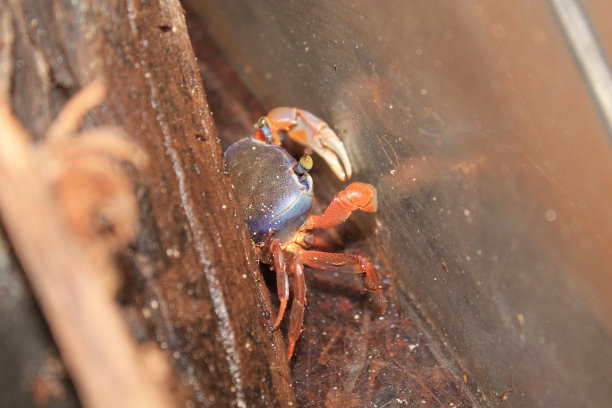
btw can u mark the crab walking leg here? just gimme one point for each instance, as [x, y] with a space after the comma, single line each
[356, 196]
[282, 280]
[347, 263]
[308, 240]
[312, 132]
[296, 320]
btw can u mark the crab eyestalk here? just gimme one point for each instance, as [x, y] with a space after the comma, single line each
[304, 165]
[266, 128]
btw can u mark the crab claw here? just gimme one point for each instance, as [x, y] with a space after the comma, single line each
[311, 131]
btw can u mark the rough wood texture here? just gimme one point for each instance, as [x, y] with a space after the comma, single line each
[63, 273]
[190, 283]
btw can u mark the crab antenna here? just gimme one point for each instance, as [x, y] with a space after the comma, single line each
[266, 128]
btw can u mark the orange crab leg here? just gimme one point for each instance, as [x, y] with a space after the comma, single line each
[282, 280]
[327, 261]
[296, 320]
[320, 243]
[357, 196]
[348, 263]
[309, 240]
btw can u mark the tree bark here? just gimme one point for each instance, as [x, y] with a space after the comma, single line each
[190, 282]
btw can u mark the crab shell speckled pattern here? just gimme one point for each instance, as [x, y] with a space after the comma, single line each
[274, 200]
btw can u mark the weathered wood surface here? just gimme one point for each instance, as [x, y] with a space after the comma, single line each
[190, 284]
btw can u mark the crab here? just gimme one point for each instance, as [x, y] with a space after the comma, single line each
[275, 194]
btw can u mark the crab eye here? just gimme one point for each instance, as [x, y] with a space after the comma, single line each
[263, 121]
[266, 128]
[304, 165]
[306, 162]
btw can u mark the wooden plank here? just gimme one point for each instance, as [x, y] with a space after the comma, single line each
[190, 282]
